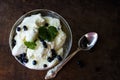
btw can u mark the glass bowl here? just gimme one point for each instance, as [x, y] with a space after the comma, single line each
[44, 12]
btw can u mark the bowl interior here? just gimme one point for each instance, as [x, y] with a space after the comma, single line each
[65, 27]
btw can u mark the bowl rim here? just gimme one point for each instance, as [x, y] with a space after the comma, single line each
[37, 10]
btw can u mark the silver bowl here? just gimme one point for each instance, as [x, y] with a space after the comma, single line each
[44, 12]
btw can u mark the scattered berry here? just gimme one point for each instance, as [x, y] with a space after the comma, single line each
[59, 57]
[49, 59]
[54, 54]
[25, 28]
[25, 60]
[23, 55]
[45, 65]
[22, 58]
[34, 62]
[19, 58]
[81, 63]
[41, 39]
[18, 28]
[44, 44]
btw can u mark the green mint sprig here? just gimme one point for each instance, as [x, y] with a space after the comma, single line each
[30, 45]
[48, 33]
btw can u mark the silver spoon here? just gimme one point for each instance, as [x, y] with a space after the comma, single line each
[86, 42]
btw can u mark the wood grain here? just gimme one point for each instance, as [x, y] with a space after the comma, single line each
[101, 16]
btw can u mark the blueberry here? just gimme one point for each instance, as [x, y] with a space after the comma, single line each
[23, 55]
[45, 65]
[49, 59]
[46, 24]
[44, 44]
[41, 39]
[59, 57]
[22, 58]
[81, 63]
[18, 28]
[53, 51]
[13, 42]
[25, 60]
[25, 28]
[19, 58]
[54, 54]
[34, 62]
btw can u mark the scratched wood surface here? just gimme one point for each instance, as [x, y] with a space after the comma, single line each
[101, 16]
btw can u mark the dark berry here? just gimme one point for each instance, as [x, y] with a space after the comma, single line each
[41, 39]
[25, 60]
[53, 51]
[22, 58]
[34, 62]
[46, 24]
[19, 58]
[18, 28]
[54, 54]
[44, 44]
[23, 55]
[59, 57]
[81, 63]
[84, 42]
[13, 42]
[49, 59]
[45, 65]
[25, 28]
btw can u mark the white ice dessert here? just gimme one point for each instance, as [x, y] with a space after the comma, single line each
[39, 42]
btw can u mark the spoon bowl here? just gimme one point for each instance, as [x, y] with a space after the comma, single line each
[87, 41]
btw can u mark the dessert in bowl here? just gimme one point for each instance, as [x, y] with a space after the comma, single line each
[40, 39]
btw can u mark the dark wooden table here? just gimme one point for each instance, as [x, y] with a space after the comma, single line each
[101, 16]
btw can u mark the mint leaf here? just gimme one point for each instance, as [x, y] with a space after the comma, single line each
[48, 33]
[44, 34]
[53, 32]
[30, 45]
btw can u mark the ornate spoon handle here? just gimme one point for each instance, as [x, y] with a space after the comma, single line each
[52, 72]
